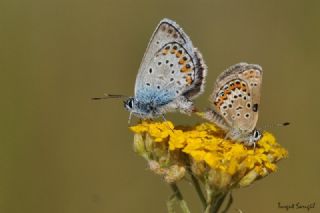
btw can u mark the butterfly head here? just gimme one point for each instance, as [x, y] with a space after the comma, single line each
[141, 109]
[129, 104]
[248, 139]
[255, 136]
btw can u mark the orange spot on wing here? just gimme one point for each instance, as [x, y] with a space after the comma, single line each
[189, 80]
[181, 61]
[164, 52]
[219, 103]
[224, 97]
[243, 88]
[184, 69]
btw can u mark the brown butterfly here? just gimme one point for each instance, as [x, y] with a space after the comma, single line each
[236, 99]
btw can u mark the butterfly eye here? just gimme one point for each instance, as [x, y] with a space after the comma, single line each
[256, 135]
[129, 103]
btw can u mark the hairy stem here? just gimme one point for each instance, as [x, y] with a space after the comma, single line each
[209, 194]
[197, 186]
[217, 202]
[170, 203]
[230, 201]
[179, 197]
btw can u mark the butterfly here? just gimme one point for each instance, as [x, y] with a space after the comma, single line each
[236, 99]
[172, 73]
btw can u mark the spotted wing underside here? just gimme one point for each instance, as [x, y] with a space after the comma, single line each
[236, 96]
[171, 66]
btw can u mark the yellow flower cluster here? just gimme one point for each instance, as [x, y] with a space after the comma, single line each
[210, 153]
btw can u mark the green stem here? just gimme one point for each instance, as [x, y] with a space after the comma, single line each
[230, 201]
[209, 194]
[208, 208]
[179, 197]
[170, 203]
[197, 186]
[217, 202]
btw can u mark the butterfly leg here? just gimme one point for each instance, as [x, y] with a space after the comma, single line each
[250, 142]
[165, 120]
[185, 105]
[181, 103]
[217, 119]
[130, 116]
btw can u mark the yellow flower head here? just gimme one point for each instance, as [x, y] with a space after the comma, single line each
[220, 162]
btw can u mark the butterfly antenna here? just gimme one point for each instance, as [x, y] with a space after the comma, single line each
[108, 96]
[275, 125]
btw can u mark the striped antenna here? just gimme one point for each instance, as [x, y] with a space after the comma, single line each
[108, 96]
[275, 125]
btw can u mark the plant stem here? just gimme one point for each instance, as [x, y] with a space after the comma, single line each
[217, 202]
[209, 194]
[230, 201]
[196, 185]
[179, 197]
[170, 203]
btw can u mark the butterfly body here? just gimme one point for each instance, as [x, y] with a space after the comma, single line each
[171, 74]
[236, 99]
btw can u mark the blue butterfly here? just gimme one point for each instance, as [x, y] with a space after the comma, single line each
[171, 74]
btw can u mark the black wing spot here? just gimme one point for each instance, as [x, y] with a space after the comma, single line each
[148, 84]
[167, 61]
[150, 70]
[159, 63]
[158, 87]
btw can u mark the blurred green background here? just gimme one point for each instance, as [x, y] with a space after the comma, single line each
[60, 152]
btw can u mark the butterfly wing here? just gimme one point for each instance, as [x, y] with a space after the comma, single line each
[171, 67]
[236, 96]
